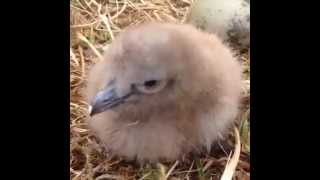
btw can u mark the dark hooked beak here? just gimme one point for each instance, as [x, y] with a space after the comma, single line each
[105, 100]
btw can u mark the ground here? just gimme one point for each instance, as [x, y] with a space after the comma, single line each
[94, 23]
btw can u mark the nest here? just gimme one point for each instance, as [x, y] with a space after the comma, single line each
[93, 25]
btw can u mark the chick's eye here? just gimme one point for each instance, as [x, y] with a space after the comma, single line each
[151, 86]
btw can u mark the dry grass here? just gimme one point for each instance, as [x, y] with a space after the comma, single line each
[94, 23]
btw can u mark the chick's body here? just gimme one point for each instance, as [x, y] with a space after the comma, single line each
[198, 101]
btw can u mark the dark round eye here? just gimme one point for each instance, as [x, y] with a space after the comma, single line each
[151, 86]
[150, 83]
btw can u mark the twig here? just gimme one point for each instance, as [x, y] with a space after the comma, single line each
[232, 164]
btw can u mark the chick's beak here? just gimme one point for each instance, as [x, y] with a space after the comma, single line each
[105, 100]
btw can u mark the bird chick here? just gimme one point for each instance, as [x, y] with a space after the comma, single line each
[163, 90]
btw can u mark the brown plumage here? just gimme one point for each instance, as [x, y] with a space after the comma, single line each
[163, 90]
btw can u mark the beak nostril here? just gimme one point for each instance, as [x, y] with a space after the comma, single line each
[106, 99]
